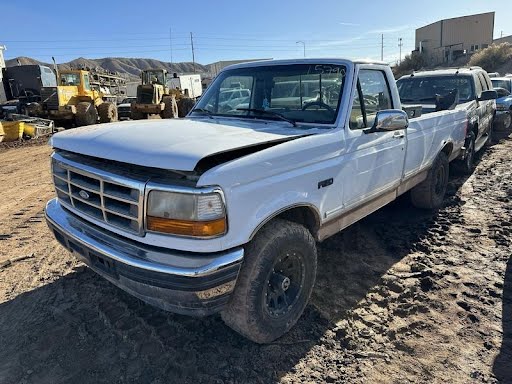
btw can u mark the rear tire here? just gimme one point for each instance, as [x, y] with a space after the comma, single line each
[429, 194]
[86, 114]
[465, 166]
[185, 105]
[170, 108]
[107, 112]
[490, 139]
[275, 282]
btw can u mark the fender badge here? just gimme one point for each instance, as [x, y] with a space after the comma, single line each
[83, 194]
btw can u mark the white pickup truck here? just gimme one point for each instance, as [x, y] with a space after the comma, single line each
[222, 211]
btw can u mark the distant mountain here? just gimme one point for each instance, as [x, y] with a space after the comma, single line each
[124, 66]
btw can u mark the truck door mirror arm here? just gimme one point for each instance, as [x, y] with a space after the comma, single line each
[389, 120]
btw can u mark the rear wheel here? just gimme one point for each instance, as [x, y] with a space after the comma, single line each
[489, 140]
[275, 282]
[185, 105]
[86, 114]
[170, 110]
[429, 194]
[466, 166]
[107, 112]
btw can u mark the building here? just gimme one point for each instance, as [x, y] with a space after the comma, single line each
[2, 66]
[504, 39]
[446, 40]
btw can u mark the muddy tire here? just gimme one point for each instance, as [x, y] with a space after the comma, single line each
[86, 114]
[107, 112]
[275, 282]
[465, 167]
[170, 110]
[184, 106]
[137, 115]
[490, 139]
[429, 194]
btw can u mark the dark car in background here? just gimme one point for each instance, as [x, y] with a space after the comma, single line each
[124, 109]
[503, 85]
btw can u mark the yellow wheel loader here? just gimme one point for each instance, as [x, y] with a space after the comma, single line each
[155, 98]
[73, 99]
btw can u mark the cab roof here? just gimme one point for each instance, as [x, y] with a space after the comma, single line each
[444, 72]
[319, 60]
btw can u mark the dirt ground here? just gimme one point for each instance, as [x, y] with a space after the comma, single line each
[404, 296]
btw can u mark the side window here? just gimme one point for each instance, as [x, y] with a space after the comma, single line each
[478, 85]
[373, 95]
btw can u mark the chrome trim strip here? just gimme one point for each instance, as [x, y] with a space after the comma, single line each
[139, 256]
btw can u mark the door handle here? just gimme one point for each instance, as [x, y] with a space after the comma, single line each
[398, 135]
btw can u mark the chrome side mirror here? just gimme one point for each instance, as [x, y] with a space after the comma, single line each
[389, 120]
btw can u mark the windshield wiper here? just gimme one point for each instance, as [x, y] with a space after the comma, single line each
[205, 111]
[270, 113]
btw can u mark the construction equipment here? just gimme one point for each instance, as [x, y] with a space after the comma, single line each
[74, 99]
[155, 98]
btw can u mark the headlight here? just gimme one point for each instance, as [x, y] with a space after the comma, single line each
[186, 214]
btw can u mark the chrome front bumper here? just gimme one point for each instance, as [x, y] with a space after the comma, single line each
[183, 282]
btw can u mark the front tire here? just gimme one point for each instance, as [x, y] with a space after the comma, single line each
[86, 114]
[429, 194]
[275, 282]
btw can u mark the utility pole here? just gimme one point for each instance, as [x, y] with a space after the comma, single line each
[400, 44]
[501, 33]
[382, 47]
[303, 46]
[193, 55]
[170, 43]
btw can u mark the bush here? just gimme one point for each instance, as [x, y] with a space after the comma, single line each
[492, 57]
[410, 63]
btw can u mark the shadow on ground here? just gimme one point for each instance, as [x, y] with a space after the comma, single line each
[82, 329]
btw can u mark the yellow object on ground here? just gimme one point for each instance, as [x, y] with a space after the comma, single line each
[12, 130]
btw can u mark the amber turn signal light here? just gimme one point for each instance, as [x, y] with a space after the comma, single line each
[187, 228]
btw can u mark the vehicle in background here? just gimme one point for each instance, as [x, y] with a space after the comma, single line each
[221, 211]
[124, 109]
[74, 99]
[232, 98]
[23, 84]
[503, 108]
[155, 97]
[493, 74]
[469, 89]
[189, 85]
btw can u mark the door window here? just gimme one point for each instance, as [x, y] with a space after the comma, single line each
[373, 95]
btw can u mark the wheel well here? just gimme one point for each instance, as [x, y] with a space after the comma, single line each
[304, 215]
[447, 149]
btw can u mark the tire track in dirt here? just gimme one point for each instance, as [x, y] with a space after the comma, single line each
[402, 296]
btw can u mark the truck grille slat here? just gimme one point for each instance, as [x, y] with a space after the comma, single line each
[103, 196]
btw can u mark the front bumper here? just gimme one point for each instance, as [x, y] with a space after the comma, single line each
[503, 117]
[188, 283]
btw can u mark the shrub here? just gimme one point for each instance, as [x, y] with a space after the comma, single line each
[492, 57]
[410, 63]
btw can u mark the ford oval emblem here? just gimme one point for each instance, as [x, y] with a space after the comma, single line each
[83, 194]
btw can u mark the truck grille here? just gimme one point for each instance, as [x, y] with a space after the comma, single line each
[50, 98]
[106, 197]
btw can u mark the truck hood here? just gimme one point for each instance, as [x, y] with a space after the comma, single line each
[171, 144]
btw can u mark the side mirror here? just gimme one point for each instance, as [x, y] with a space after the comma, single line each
[389, 120]
[488, 95]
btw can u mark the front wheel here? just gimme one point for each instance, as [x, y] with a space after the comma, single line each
[429, 194]
[275, 282]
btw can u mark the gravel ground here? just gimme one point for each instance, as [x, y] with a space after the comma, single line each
[402, 296]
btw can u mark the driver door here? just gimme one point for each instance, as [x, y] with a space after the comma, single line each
[374, 160]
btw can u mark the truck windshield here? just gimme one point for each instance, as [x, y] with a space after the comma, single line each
[498, 83]
[308, 93]
[423, 88]
[70, 79]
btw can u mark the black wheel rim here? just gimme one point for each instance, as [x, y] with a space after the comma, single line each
[284, 284]
[440, 181]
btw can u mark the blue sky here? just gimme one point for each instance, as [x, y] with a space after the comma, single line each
[225, 30]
